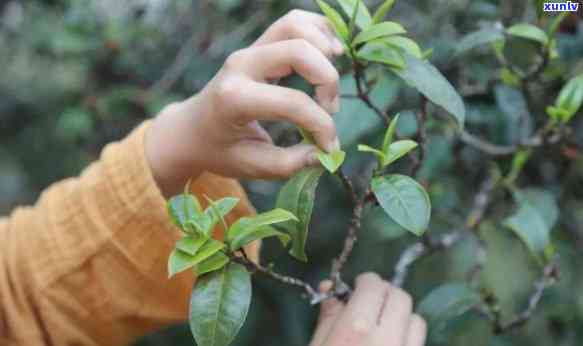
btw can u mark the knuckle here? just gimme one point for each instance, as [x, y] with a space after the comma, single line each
[295, 13]
[236, 59]
[299, 46]
[293, 18]
[285, 167]
[332, 77]
[298, 100]
[228, 89]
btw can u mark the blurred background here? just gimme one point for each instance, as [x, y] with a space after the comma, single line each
[78, 74]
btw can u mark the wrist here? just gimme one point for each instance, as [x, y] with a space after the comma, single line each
[170, 149]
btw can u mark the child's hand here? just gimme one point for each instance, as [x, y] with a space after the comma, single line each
[217, 130]
[377, 314]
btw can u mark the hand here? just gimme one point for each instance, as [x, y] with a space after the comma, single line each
[377, 314]
[217, 130]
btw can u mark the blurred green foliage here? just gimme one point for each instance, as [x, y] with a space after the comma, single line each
[77, 74]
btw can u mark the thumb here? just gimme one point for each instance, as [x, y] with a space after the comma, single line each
[261, 160]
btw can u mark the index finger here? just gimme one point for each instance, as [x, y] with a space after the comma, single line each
[281, 59]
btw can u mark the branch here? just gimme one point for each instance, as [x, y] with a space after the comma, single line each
[549, 278]
[481, 203]
[487, 147]
[340, 288]
[429, 246]
[421, 249]
[364, 94]
[313, 295]
[544, 135]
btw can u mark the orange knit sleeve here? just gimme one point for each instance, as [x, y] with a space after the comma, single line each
[87, 264]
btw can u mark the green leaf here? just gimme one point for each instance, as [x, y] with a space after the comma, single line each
[180, 261]
[242, 230]
[215, 262]
[427, 79]
[297, 196]
[510, 78]
[444, 304]
[404, 200]
[529, 225]
[379, 154]
[382, 11]
[518, 162]
[191, 245]
[332, 161]
[183, 208]
[363, 18]
[545, 203]
[529, 32]
[335, 19]
[264, 219]
[557, 114]
[382, 53]
[217, 211]
[377, 31]
[390, 134]
[404, 44]
[352, 23]
[249, 235]
[397, 150]
[479, 38]
[219, 305]
[570, 98]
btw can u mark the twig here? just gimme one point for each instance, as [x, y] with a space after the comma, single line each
[349, 186]
[500, 150]
[481, 203]
[349, 242]
[364, 94]
[313, 295]
[428, 245]
[549, 278]
[419, 250]
[340, 288]
[474, 219]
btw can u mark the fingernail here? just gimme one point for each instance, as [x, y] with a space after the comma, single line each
[312, 159]
[335, 145]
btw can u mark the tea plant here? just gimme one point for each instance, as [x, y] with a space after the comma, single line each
[222, 293]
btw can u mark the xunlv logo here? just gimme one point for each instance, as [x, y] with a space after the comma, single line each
[561, 6]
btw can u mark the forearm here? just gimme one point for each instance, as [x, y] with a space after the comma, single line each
[87, 264]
